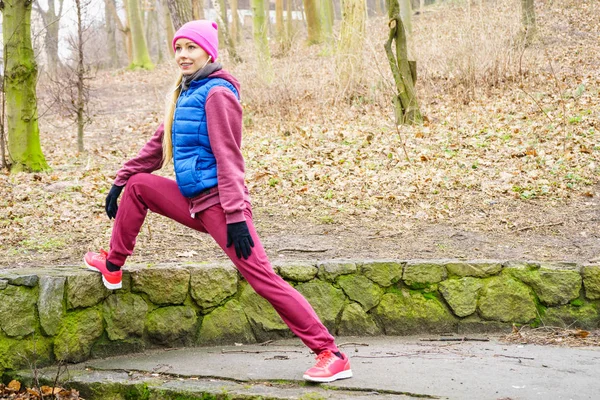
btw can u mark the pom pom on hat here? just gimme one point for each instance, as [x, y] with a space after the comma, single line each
[203, 33]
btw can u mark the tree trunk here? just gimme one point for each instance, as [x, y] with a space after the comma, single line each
[110, 36]
[52, 25]
[198, 9]
[221, 11]
[406, 105]
[124, 28]
[313, 22]
[3, 162]
[25, 151]
[259, 30]
[528, 19]
[349, 51]
[181, 12]
[170, 30]
[289, 22]
[141, 57]
[236, 29]
[279, 29]
[326, 8]
[80, 107]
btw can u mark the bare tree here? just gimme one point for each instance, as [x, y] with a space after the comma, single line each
[51, 19]
[406, 104]
[123, 28]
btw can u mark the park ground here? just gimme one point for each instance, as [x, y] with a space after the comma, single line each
[506, 165]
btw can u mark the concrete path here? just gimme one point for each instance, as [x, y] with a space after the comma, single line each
[384, 367]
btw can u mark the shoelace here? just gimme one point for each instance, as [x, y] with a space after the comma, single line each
[103, 254]
[324, 359]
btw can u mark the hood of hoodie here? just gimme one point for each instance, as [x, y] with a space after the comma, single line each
[228, 77]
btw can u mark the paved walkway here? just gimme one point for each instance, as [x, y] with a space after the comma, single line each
[384, 367]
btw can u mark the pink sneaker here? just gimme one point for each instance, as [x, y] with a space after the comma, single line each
[329, 368]
[97, 262]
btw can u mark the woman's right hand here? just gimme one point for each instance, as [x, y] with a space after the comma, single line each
[111, 206]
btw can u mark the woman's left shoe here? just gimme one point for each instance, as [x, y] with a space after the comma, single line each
[97, 262]
[329, 368]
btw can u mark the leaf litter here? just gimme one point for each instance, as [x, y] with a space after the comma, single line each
[505, 166]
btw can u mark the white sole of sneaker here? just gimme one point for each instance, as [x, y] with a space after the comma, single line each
[339, 375]
[107, 284]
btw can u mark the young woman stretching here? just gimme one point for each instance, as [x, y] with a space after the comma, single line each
[202, 135]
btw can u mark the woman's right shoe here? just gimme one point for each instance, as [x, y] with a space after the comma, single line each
[97, 262]
[329, 368]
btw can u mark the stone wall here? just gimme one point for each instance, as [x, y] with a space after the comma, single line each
[66, 313]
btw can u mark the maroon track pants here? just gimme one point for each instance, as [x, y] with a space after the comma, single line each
[161, 195]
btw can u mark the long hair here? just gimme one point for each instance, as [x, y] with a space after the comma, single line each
[171, 103]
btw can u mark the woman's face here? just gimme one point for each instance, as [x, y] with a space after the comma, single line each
[189, 56]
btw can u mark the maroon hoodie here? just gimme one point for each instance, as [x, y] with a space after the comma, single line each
[224, 122]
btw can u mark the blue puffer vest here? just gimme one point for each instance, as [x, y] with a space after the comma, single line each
[195, 164]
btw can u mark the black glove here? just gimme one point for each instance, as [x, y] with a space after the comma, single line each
[111, 201]
[239, 236]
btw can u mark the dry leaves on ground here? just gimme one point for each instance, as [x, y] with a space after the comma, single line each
[553, 336]
[15, 391]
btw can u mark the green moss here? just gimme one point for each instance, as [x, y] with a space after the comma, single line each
[138, 392]
[577, 303]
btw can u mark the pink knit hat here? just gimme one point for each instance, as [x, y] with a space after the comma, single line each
[203, 33]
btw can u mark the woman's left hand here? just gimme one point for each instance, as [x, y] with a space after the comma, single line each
[239, 235]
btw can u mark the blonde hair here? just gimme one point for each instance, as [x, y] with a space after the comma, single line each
[171, 104]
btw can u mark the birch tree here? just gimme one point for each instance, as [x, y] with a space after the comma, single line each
[24, 148]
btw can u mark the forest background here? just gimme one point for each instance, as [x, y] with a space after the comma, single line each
[505, 164]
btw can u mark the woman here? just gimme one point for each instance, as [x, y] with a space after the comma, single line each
[202, 135]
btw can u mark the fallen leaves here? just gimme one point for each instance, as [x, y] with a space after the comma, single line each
[15, 391]
[553, 336]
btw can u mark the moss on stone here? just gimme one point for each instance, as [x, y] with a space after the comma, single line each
[505, 299]
[264, 320]
[552, 286]
[461, 294]
[475, 269]
[76, 335]
[361, 290]
[591, 281]
[163, 285]
[331, 270]
[585, 316]
[211, 284]
[124, 314]
[356, 322]
[85, 290]
[172, 325]
[421, 274]
[16, 353]
[407, 313]
[226, 325]
[382, 272]
[297, 271]
[326, 300]
[51, 307]
[17, 310]
[104, 347]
